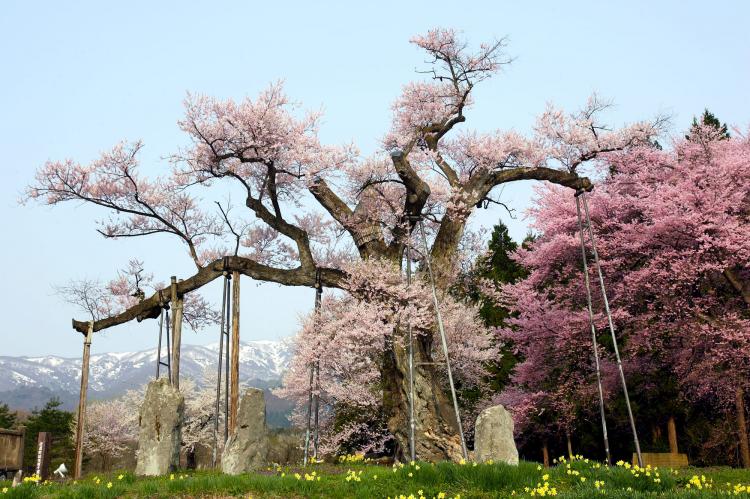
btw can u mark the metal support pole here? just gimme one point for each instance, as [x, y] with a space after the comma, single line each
[217, 410]
[444, 342]
[593, 332]
[159, 362]
[82, 401]
[412, 443]
[611, 328]
[169, 347]
[158, 348]
[309, 417]
[316, 408]
[316, 411]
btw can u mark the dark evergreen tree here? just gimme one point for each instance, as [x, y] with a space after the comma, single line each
[7, 419]
[57, 422]
[717, 129]
[497, 266]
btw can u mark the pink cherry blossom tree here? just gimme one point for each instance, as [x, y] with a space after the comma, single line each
[112, 425]
[671, 227]
[311, 208]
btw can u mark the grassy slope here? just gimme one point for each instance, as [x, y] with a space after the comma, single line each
[372, 481]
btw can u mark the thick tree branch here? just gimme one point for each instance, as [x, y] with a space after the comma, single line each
[738, 285]
[150, 307]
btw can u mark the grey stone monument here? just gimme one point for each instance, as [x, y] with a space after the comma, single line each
[247, 447]
[493, 436]
[160, 427]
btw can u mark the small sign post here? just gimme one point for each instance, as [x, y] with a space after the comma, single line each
[42, 455]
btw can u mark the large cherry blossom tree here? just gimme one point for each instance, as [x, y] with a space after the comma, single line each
[673, 238]
[311, 207]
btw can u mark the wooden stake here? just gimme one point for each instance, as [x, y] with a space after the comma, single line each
[176, 333]
[672, 434]
[82, 401]
[234, 371]
[545, 455]
[570, 445]
[742, 428]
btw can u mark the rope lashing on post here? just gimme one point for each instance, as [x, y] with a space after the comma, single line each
[581, 194]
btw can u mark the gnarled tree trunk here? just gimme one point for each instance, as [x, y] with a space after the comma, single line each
[436, 430]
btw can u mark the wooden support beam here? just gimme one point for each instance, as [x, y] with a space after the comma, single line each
[672, 435]
[742, 428]
[82, 401]
[150, 308]
[234, 363]
[176, 333]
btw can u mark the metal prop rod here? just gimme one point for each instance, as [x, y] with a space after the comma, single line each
[412, 443]
[309, 417]
[316, 411]
[316, 408]
[158, 348]
[593, 331]
[312, 400]
[218, 376]
[443, 341]
[611, 328]
[164, 321]
[160, 362]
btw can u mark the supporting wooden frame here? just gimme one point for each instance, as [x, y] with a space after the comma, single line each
[234, 364]
[176, 333]
[82, 401]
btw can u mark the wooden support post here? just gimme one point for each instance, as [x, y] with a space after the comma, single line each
[742, 428]
[570, 444]
[234, 371]
[176, 333]
[672, 435]
[44, 442]
[82, 401]
[545, 455]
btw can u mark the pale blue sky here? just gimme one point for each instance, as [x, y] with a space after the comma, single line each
[76, 77]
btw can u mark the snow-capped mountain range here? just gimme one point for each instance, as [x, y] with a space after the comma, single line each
[111, 374]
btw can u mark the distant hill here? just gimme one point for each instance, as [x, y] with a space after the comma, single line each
[29, 382]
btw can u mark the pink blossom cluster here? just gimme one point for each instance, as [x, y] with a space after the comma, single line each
[672, 234]
[349, 335]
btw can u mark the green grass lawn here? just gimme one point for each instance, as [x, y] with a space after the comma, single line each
[579, 478]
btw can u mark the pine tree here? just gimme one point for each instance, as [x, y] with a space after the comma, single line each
[52, 420]
[498, 267]
[7, 419]
[710, 123]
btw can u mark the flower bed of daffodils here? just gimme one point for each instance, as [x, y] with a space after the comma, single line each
[353, 476]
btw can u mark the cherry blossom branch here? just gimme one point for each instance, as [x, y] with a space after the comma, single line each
[150, 307]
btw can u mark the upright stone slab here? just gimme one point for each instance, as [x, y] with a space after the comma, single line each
[493, 436]
[160, 428]
[247, 447]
